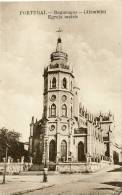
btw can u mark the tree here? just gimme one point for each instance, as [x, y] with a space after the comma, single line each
[10, 139]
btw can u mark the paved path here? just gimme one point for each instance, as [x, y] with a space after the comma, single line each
[63, 184]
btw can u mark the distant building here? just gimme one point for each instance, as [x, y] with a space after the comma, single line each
[117, 153]
[67, 132]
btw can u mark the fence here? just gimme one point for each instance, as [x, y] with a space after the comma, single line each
[81, 167]
[15, 168]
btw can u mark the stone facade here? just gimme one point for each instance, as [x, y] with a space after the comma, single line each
[67, 132]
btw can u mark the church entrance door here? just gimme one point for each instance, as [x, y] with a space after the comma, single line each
[81, 154]
[52, 151]
[63, 150]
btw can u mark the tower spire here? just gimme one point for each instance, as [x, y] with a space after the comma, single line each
[59, 32]
[59, 46]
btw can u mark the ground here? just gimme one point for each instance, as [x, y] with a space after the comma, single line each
[104, 182]
[108, 183]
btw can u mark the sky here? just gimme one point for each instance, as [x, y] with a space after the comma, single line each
[93, 43]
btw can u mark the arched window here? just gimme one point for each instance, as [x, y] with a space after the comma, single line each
[50, 83]
[53, 110]
[64, 83]
[71, 85]
[56, 65]
[64, 110]
[54, 82]
[52, 151]
[63, 150]
[71, 111]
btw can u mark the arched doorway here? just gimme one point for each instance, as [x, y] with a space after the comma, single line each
[52, 151]
[63, 150]
[81, 153]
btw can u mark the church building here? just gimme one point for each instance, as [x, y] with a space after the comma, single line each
[67, 132]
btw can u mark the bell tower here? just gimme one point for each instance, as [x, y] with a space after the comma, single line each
[58, 102]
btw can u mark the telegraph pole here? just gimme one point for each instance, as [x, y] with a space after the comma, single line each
[4, 171]
[45, 164]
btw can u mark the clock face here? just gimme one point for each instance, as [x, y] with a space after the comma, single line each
[64, 98]
[53, 98]
[64, 127]
[52, 127]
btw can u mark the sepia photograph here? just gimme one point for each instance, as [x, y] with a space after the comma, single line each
[61, 98]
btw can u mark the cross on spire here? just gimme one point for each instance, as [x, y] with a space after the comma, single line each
[59, 31]
[59, 46]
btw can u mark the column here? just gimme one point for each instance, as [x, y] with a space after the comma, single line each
[58, 140]
[45, 158]
[31, 160]
[89, 145]
[69, 155]
[22, 159]
[9, 159]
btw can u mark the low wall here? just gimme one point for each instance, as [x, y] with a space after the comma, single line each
[81, 167]
[15, 168]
